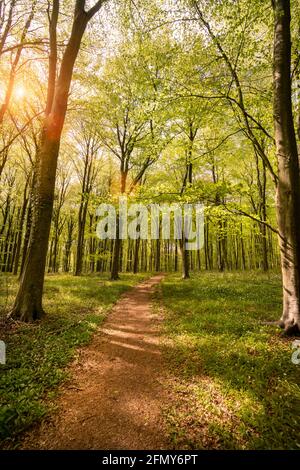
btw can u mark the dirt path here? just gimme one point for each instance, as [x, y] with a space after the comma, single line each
[114, 399]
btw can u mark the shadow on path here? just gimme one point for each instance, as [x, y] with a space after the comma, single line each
[114, 398]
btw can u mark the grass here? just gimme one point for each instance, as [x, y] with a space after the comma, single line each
[231, 375]
[37, 355]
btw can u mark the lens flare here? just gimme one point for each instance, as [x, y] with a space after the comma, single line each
[20, 92]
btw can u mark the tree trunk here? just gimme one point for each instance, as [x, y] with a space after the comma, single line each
[185, 259]
[157, 256]
[288, 188]
[28, 302]
[176, 256]
[136, 256]
[80, 240]
[20, 232]
[115, 267]
[27, 235]
[68, 245]
[114, 276]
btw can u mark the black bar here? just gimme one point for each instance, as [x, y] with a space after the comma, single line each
[138, 459]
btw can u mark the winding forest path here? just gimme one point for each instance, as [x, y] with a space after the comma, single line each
[115, 397]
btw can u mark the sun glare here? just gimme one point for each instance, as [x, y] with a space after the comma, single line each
[20, 92]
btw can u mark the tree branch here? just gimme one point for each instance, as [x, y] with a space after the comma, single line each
[92, 11]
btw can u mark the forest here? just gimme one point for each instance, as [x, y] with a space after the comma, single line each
[149, 341]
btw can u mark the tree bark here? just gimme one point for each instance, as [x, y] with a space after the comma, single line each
[136, 256]
[114, 276]
[80, 239]
[115, 266]
[185, 258]
[28, 302]
[288, 188]
[68, 244]
[20, 231]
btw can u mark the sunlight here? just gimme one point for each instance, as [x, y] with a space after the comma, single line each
[20, 92]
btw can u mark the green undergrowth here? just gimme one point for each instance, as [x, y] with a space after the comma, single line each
[37, 354]
[234, 384]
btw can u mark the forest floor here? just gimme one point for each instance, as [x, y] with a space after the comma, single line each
[191, 364]
[231, 377]
[113, 398]
[38, 355]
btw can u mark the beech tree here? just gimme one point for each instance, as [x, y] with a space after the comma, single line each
[28, 303]
[288, 188]
[87, 169]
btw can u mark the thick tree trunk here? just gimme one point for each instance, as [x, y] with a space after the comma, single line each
[288, 189]
[185, 259]
[28, 302]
